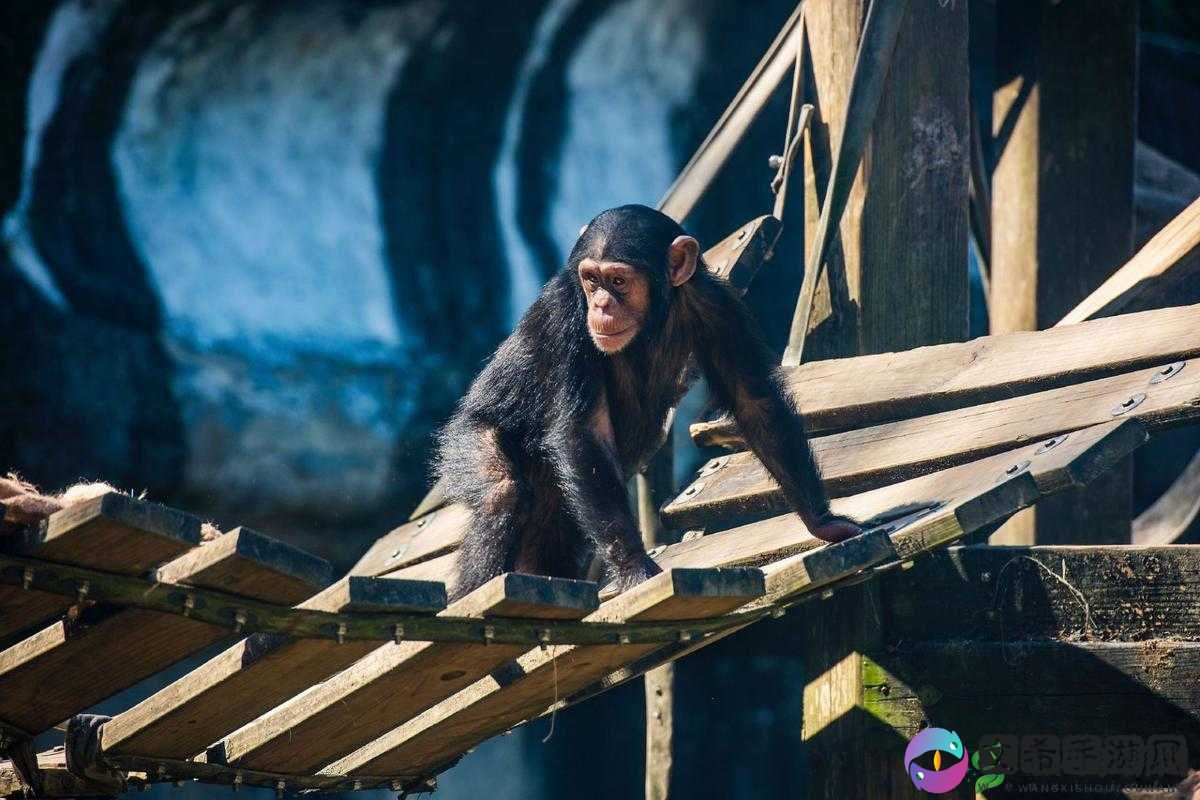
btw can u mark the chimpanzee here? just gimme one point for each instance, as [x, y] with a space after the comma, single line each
[575, 400]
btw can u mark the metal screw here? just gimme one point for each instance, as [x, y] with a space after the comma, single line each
[986, 577]
[543, 638]
[685, 636]
[341, 633]
[778, 611]
[189, 604]
[279, 787]
[694, 489]
[421, 523]
[775, 161]
[623, 638]
[27, 578]
[828, 593]
[1015, 469]
[84, 589]
[489, 634]
[240, 621]
[1050, 444]
[398, 633]
[237, 781]
[906, 564]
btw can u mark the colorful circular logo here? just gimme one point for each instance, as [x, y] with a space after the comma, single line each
[936, 760]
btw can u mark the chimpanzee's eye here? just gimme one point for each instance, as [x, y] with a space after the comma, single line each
[618, 282]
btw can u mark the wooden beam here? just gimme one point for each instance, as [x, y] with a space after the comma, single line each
[75, 664]
[1166, 264]
[256, 674]
[1066, 103]
[738, 485]
[842, 394]
[534, 681]
[396, 681]
[1172, 514]
[113, 532]
[426, 537]
[918, 147]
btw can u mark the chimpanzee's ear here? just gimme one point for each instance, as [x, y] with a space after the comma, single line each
[682, 258]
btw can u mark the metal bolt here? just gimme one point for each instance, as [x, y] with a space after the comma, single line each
[27, 578]
[357, 786]
[685, 636]
[421, 523]
[1169, 371]
[1015, 469]
[1129, 404]
[694, 489]
[398, 633]
[986, 577]
[279, 787]
[1050, 444]
[828, 593]
[543, 638]
[742, 233]
[240, 621]
[775, 161]
[489, 634]
[623, 638]
[341, 633]
[778, 611]
[189, 604]
[237, 781]
[906, 564]
[84, 589]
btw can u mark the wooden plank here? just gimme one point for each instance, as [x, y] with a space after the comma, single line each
[837, 395]
[859, 460]
[256, 674]
[738, 257]
[1167, 263]
[113, 532]
[105, 650]
[422, 539]
[397, 681]
[249, 564]
[56, 781]
[1132, 594]
[1174, 512]
[441, 568]
[534, 681]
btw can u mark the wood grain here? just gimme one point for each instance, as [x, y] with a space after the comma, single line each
[396, 681]
[254, 675]
[839, 394]
[528, 685]
[859, 460]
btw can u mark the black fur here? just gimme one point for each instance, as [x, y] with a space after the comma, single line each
[520, 451]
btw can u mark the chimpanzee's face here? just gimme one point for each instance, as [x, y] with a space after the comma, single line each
[618, 297]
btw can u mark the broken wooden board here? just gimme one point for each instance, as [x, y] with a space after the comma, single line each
[256, 674]
[524, 687]
[854, 461]
[847, 393]
[397, 681]
[113, 532]
[73, 664]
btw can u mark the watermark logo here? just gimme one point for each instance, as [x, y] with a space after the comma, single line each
[937, 762]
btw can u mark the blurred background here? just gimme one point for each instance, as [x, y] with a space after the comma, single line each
[253, 253]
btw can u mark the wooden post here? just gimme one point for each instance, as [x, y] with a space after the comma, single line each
[655, 486]
[1062, 215]
[901, 265]
[897, 269]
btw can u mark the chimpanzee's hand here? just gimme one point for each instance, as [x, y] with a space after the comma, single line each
[833, 528]
[632, 572]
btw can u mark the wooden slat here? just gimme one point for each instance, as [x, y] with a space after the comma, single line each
[427, 537]
[256, 674]
[1170, 261]
[528, 685]
[738, 257]
[397, 681]
[861, 459]
[106, 650]
[855, 392]
[443, 568]
[979, 503]
[113, 532]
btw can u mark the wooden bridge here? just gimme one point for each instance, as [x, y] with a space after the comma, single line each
[373, 680]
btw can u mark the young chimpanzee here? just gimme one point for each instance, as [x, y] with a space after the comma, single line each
[575, 399]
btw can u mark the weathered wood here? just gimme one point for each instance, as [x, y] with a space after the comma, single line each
[396, 681]
[738, 257]
[1174, 513]
[1014, 593]
[256, 674]
[858, 460]
[113, 532]
[56, 781]
[80, 662]
[840, 394]
[1067, 95]
[441, 568]
[918, 147]
[421, 539]
[1164, 271]
[247, 563]
[745, 107]
[537, 679]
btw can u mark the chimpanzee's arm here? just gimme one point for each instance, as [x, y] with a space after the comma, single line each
[745, 379]
[595, 495]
